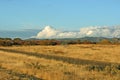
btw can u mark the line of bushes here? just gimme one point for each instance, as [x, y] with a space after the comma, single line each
[18, 41]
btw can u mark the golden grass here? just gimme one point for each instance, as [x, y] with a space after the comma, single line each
[49, 69]
[110, 53]
[58, 70]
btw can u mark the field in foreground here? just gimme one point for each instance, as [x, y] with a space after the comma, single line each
[63, 62]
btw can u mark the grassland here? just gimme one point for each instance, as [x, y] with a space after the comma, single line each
[23, 66]
[108, 53]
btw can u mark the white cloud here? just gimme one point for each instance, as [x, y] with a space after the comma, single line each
[89, 32]
[49, 32]
[67, 35]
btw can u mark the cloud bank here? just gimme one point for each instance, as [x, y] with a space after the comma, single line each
[48, 32]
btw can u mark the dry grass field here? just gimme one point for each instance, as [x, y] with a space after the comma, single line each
[101, 62]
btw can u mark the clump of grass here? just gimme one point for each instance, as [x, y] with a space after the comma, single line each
[113, 69]
[0, 65]
[95, 68]
[68, 73]
[58, 52]
[34, 65]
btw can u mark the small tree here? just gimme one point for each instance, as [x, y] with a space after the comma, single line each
[105, 41]
[17, 39]
[78, 42]
[115, 40]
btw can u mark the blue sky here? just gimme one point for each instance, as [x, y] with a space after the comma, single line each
[61, 14]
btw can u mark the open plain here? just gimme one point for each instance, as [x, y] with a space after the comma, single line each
[60, 62]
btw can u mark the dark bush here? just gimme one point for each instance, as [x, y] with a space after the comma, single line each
[6, 42]
[95, 68]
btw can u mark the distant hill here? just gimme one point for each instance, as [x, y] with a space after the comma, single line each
[92, 39]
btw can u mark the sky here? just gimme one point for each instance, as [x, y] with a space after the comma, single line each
[61, 14]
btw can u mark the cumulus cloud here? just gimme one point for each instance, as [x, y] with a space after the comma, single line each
[67, 35]
[49, 32]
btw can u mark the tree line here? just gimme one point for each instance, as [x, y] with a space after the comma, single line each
[19, 41]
